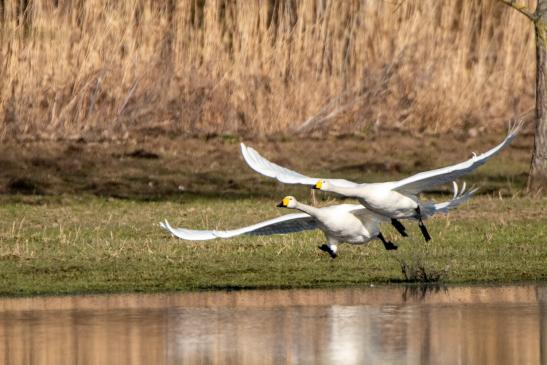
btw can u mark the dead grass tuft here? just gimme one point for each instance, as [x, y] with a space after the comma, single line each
[415, 270]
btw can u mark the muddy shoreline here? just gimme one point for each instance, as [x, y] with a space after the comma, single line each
[164, 168]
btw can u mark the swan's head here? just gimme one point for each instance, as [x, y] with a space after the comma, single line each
[322, 185]
[288, 202]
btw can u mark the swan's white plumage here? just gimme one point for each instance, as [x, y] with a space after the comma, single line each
[459, 197]
[410, 185]
[394, 199]
[282, 174]
[336, 221]
[289, 223]
[428, 179]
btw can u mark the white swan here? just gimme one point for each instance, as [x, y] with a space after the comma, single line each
[394, 199]
[340, 223]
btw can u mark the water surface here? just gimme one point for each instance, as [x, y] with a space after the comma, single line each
[383, 325]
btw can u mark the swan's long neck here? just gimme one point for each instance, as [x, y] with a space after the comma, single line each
[349, 192]
[307, 209]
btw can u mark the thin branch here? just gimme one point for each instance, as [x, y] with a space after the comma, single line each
[523, 9]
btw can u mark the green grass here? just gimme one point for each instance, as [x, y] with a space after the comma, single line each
[69, 244]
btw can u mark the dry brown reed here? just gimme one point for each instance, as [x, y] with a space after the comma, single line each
[104, 69]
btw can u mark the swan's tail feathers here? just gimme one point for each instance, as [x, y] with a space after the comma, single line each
[514, 128]
[460, 196]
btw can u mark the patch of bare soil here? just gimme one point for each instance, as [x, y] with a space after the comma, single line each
[161, 167]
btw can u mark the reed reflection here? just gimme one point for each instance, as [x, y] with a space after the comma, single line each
[462, 325]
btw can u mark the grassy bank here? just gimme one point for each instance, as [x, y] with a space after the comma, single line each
[83, 217]
[86, 244]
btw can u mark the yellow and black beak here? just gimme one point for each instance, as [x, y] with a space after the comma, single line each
[284, 203]
[318, 185]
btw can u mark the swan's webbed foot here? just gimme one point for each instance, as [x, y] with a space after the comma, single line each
[388, 245]
[327, 249]
[399, 227]
[422, 226]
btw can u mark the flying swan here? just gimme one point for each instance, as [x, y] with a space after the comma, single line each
[351, 223]
[393, 199]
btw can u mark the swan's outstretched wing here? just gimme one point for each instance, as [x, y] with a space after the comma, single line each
[425, 180]
[289, 223]
[282, 174]
[459, 197]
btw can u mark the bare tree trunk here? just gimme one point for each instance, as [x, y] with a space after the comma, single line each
[537, 179]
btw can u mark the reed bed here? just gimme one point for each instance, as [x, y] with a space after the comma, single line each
[102, 69]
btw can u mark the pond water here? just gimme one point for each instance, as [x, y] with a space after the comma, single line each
[377, 325]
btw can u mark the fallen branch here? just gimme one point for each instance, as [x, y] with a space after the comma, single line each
[523, 9]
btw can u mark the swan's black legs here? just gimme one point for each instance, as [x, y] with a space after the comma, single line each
[399, 227]
[327, 249]
[387, 244]
[421, 224]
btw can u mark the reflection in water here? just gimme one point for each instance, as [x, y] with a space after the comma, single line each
[393, 325]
